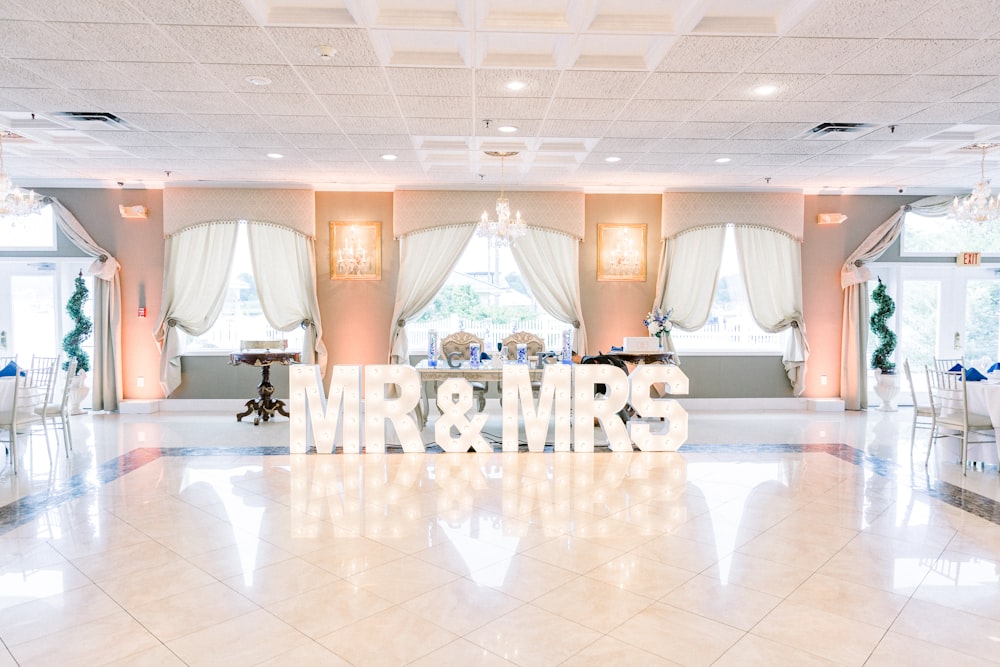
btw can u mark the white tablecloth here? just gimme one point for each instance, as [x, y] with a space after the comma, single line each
[24, 396]
[984, 399]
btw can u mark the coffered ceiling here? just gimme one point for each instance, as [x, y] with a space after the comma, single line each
[617, 95]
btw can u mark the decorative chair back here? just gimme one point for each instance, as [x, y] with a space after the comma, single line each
[456, 345]
[42, 375]
[943, 364]
[535, 344]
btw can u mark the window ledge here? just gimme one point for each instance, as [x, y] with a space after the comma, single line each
[729, 353]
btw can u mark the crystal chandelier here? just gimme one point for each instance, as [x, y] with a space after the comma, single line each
[503, 231]
[978, 207]
[15, 201]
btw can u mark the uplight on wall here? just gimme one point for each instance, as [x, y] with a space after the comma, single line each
[830, 218]
[137, 212]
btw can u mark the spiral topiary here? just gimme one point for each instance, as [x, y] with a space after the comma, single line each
[885, 307]
[82, 327]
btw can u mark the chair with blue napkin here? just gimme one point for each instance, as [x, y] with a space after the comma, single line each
[956, 368]
[972, 375]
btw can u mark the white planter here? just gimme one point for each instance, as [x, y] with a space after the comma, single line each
[887, 389]
[78, 391]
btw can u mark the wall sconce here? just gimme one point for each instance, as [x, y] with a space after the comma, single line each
[830, 218]
[137, 212]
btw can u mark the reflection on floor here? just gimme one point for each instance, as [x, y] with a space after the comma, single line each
[769, 539]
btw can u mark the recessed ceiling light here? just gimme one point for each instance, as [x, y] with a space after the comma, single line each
[507, 128]
[275, 156]
[325, 51]
[723, 160]
[613, 158]
[516, 85]
[389, 157]
[258, 80]
[767, 89]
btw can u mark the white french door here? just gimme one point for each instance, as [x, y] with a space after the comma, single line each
[33, 319]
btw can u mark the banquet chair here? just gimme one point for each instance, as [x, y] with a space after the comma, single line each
[17, 413]
[535, 346]
[923, 413]
[949, 400]
[455, 348]
[947, 363]
[42, 374]
[57, 411]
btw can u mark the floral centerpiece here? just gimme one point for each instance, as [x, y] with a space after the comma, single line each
[658, 323]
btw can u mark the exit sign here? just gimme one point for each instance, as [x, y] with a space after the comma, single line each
[969, 258]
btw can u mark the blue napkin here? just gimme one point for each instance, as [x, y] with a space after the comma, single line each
[10, 370]
[617, 349]
[972, 375]
[994, 367]
[956, 368]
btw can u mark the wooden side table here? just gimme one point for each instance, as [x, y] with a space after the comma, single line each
[265, 405]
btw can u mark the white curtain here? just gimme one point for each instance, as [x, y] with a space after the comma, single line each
[284, 267]
[196, 269]
[106, 371]
[550, 264]
[854, 277]
[426, 259]
[771, 266]
[688, 275]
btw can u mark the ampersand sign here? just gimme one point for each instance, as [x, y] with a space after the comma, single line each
[453, 415]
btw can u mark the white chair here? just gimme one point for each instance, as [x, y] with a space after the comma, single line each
[923, 414]
[17, 412]
[42, 375]
[57, 412]
[947, 363]
[455, 347]
[949, 400]
[534, 347]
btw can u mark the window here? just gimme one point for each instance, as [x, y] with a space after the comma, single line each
[486, 296]
[730, 326]
[945, 237]
[28, 232]
[241, 317]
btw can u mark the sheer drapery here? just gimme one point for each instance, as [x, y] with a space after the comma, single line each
[688, 275]
[284, 267]
[854, 277]
[197, 262]
[771, 266]
[550, 264]
[426, 259]
[106, 371]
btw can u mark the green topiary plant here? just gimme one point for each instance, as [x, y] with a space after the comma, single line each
[885, 307]
[82, 327]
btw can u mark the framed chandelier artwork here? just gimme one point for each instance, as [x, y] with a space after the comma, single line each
[621, 252]
[356, 250]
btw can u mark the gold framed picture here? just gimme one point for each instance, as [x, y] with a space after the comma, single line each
[621, 252]
[356, 250]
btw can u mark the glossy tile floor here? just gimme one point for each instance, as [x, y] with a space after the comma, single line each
[769, 539]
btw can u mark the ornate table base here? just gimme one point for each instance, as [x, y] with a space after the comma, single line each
[265, 406]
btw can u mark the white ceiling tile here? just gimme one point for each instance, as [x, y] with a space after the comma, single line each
[445, 127]
[194, 12]
[537, 82]
[436, 81]
[372, 125]
[874, 112]
[849, 88]
[233, 78]
[426, 106]
[660, 110]
[583, 109]
[621, 145]
[859, 18]
[602, 85]
[902, 56]
[161, 122]
[258, 140]
[354, 48]
[322, 140]
[362, 141]
[774, 131]
[714, 54]
[13, 75]
[686, 146]
[683, 85]
[345, 80]
[743, 146]
[159, 152]
[233, 122]
[35, 40]
[226, 44]
[512, 108]
[695, 129]
[170, 76]
[635, 128]
[574, 128]
[93, 11]
[931, 88]
[961, 19]
[360, 105]
[979, 58]
[79, 75]
[43, 99]
[811, 55]
[958, 112]
[278, 104]
[125, 42]
[196, 139]
[315, 125]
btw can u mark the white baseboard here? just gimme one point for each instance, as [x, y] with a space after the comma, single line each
[826, 404]
[736, 404]
[151, 406]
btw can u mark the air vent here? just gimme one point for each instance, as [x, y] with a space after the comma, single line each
[837, 128]
[92, 117]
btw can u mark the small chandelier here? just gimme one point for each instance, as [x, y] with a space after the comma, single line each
[503, 231]
[978, 207]
[15, 201]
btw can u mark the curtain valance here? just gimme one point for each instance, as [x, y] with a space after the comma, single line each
[782, 211]
[184, 207]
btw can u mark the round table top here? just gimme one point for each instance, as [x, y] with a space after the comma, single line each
[264, 358]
